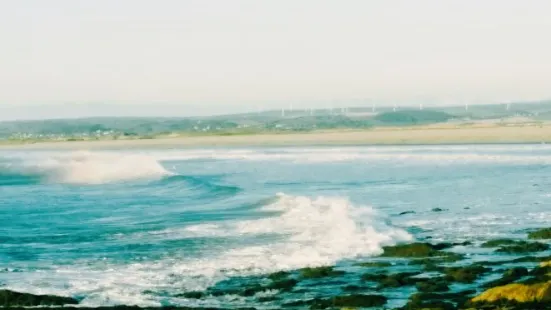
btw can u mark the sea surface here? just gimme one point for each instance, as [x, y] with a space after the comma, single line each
[140, 227]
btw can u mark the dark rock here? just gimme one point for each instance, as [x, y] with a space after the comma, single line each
[438, 210]
[508, 277]
[352, 288]
[421, 250]
[544, 233]
[251, 291]
[16, 299]
[450, 258]
[319, 272]
[392, 280]
[524, 247]
[531, 259]
[267, 298]
[467, 274]
[192, 295]
[283, 285]
[407, 212]
[417, 249]
[437, 301]
[429, 305]
[432, 285]
[280, 275]
[355, 300]
[499, 242]
[374, 264]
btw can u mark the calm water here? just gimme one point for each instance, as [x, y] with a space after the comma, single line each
[139, 227]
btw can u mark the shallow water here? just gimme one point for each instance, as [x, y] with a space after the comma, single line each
[141, 226]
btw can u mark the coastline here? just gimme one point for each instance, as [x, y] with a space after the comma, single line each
[425, 135]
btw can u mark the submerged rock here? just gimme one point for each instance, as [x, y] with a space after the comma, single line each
[319, 272]
[499, 242]
[16, 299]
[437, 301]
[407, 212]
[508, 277]
[467, 274]
[374, 264]
[280, 275]
[523, 247]
[391, 280]
[432, 285]
[192, 295]
[538, 275]
[544, 233]
[430, 261]
[283, 285]
[353, 301]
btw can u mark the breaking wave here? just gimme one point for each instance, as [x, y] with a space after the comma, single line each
[81, 168]
[305, 232]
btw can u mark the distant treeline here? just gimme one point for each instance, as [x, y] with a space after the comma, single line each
[143, 128]
[252, 123]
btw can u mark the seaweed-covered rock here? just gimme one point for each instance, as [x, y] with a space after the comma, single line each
[437, 301]
[432, 285]
[280, 275]
[352, 288]
[522, 293]
[414, 250]
[508, 277]
[319, 272]
[374, 264]
[192, 295]
[449, 258]
[544, 233]
[283, 285]
[251, 291]
[392, 280]
[447, 245]
[429, 305]
[467, 274]
[495, 243]
[524, 247]
[354, 300]
[16, 299]
[267, 298]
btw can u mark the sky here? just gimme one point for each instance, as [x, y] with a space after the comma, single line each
[211, 56]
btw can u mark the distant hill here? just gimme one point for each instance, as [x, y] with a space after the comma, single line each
[264, 121]
[413, 117]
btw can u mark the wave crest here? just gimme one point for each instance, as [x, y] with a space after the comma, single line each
[87, 168]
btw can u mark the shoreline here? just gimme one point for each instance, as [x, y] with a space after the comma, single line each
[396, 136]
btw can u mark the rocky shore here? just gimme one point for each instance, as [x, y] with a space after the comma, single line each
[437, 277]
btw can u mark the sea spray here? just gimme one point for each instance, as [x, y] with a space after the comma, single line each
[87, 167]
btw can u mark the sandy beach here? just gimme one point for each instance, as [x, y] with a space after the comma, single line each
[436, 134]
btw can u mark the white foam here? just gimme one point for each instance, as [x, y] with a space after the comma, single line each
[312, 232]
[432, 155]
[92, 167]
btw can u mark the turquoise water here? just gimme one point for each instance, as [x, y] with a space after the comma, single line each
[141, 226]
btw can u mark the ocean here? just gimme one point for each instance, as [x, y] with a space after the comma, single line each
[142, 226]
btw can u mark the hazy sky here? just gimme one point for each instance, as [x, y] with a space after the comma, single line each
[234, 52]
